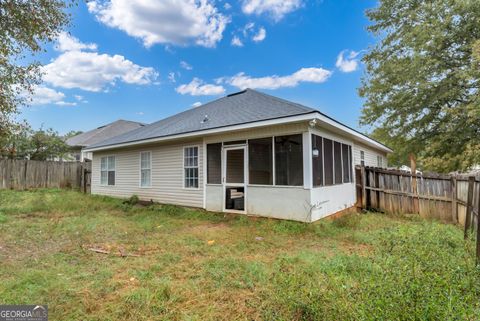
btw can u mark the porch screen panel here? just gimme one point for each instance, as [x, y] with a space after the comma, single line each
[337, 155]
[235, 166]
[214, 163]
[347, 163]
[351, 160]
[317, 160]
[289, 160]
[328, 160]
[260, 164]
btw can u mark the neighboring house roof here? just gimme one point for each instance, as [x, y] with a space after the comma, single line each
[102, 133]
[241, 108]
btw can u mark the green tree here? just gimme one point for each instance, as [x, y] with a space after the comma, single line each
[25, 26]
[25, 143]
[422, 81]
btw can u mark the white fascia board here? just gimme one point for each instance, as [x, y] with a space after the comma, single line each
[277, 121]
[360, 137]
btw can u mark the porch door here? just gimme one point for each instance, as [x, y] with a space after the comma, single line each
[234, 179]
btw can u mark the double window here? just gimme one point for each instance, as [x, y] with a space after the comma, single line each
[190, 164]
[145, 169]
[331, 162]
[107, 170]
[379, 161]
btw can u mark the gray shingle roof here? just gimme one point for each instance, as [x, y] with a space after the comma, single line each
[102, 133]
[246, 106]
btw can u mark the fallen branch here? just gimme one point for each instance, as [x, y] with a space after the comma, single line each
[121, 253]
[99, 250]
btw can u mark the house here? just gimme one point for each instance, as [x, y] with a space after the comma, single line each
[79, 142]
[248, 153]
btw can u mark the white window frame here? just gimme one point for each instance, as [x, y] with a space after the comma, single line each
[362, 158]
[114, 170]
[197, 167]
[149, 168]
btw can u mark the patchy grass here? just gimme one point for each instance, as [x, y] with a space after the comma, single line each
[195, 265]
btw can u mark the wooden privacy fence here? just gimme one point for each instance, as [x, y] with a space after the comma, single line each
[25, 174]
[449, 198]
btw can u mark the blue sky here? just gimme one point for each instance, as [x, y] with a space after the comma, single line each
[146, 60]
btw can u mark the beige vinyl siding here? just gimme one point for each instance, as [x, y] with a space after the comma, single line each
[167, 184]
[370, 155]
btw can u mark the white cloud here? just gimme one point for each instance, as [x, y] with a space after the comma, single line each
[198, 88]
[92, 71]
[260, 36]
[236, 42]
[179, 22]
[140, 113]
[80, 99]
[249, 26]
[248, 32]
[276, 8]
[66, 103]
[242, 81]
[227, 6]
[185, 65]
[67, 42]
[44, 96]
[197, 104]
[171, 77]
[347, 61]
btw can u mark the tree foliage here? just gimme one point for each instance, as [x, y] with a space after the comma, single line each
[422, 81]
[22, 142]
[25, 26]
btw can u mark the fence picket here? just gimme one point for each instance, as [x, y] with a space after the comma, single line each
[25, 174]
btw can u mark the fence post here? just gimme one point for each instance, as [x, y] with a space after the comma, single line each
[84, 180]
[364, 190]
[468, 218]
[413, 169]
[453, 184]
[478, 226]
[377, 193]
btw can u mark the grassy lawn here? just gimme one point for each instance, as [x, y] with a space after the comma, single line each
[195, 265]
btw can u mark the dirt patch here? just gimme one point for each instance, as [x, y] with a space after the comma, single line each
[206, 228]
[356, 248]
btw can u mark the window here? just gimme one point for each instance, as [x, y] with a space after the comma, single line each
[260, 161]
[379, 161]
[328, 160]
[317, 160]
[346, 163]
[145, 169]
[362, 158]
[214, 163]
[337, 155]
[107, 170]
[190, 163]
[289, 160]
